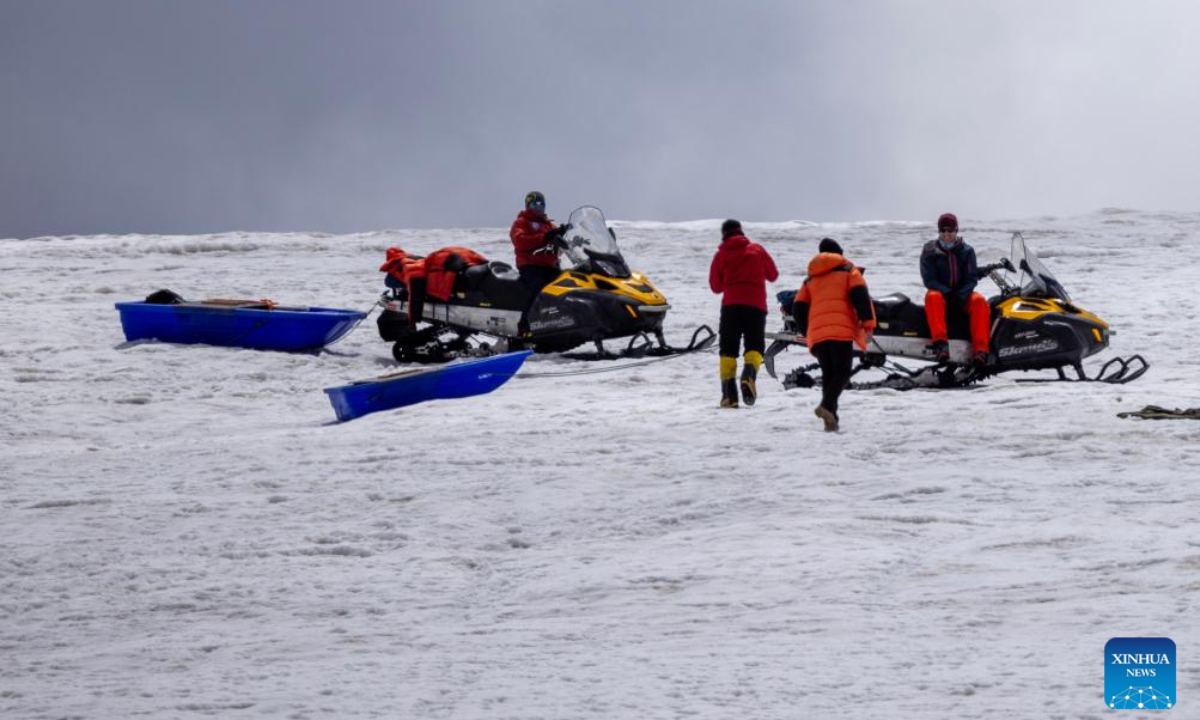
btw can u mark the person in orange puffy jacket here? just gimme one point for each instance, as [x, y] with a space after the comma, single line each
[834, 312]
[535, 240]
[740, 272]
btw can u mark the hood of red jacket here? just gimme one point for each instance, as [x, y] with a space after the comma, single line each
[735, 242]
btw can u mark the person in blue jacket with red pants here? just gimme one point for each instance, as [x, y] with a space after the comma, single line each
[740, 272]
[950, 273]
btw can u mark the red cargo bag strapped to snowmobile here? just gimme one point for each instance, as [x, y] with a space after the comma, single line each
[443, 266]
[408, 271]
[401, 267]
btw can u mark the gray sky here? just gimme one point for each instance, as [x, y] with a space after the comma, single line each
[190, 116]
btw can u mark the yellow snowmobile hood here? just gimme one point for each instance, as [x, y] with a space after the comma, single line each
[635, 287]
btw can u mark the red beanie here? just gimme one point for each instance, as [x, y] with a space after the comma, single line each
[947, 222]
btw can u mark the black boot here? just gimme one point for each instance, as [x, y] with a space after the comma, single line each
[749, 389]
[729, 393]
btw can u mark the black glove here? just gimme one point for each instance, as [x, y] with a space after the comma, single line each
[555, 237]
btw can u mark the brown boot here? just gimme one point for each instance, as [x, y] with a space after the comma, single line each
[729, 393]
[830, 419]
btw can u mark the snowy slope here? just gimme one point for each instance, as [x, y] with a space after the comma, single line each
[184, 532]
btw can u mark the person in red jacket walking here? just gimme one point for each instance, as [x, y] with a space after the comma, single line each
[834, 312]
[535, 240]
[740, 271]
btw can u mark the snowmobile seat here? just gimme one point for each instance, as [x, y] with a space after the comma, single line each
[890, 307]
[475, 274]
[502, 285]
[905, 316]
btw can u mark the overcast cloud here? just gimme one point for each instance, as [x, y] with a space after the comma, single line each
[213, 115]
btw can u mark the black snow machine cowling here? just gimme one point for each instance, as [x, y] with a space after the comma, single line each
[1034, 326]
[490, 310]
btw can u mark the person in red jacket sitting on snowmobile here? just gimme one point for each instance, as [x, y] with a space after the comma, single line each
[741, 270]
[536, 240]
[950, 273]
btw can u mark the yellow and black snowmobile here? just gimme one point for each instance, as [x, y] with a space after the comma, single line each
[598, 299]
[1035, 326]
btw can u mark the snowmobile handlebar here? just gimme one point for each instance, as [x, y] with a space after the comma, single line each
[1006, 287]
[554, 240]
[1004, 264]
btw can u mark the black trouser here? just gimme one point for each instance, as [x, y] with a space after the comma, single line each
[537, 277]
[416, 299]
[836, 357]
[738, 321]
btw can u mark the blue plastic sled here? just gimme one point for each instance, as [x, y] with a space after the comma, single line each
[249, 326]
[409, 387]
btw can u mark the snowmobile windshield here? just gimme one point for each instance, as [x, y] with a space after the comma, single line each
[592, 246]
[1036, 280]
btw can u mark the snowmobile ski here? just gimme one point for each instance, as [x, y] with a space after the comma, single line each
[641, 345]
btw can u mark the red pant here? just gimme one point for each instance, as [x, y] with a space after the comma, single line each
[977, 309]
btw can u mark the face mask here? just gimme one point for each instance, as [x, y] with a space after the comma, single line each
[947, 246]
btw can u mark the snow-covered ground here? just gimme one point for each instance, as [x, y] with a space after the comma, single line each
[185, 532]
